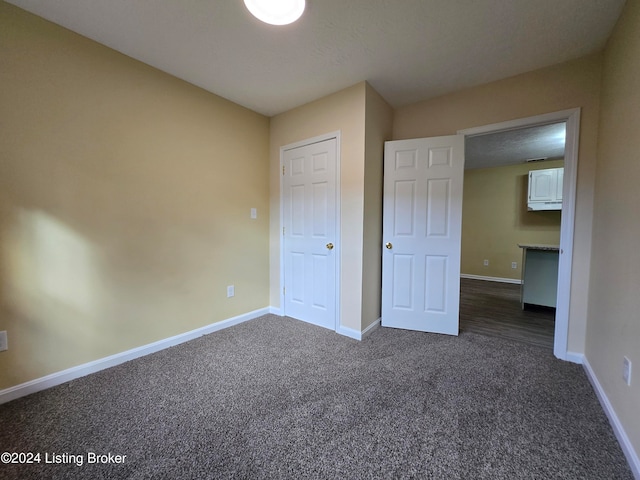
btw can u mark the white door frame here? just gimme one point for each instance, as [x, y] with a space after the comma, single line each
[338, 245]
[572, 117]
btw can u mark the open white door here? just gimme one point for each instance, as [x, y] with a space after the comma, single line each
[422, 228]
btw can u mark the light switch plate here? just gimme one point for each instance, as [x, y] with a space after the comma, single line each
[4, 344]
[254, 213]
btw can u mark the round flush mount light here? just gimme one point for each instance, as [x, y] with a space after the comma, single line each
[276, 12]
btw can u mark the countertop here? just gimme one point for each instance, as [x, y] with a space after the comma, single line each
[555, 248]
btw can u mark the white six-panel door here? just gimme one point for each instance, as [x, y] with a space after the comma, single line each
[309, 232]
[422, 223]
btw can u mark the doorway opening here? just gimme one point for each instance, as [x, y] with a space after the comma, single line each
[539, 143]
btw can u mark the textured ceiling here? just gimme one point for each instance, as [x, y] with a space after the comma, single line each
[543, 142]
[408, 50]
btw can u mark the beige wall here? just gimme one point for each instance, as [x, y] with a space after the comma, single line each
[343, 111]
[364, 120]
[613, 328]
[495, 219]
[378, 125]
[564, 86]
[125, 199]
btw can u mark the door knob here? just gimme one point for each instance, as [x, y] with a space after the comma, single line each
[388, 245]
[329, 246]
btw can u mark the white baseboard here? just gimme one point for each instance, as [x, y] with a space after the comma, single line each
[349, 332]
[574, 357]
[371, 328]
[341, 330]
[618, 429]
[355, 334]
[491, 279]
[72, 373]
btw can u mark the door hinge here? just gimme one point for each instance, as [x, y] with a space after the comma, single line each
[283, 231]
[284, 290]
[283, 170]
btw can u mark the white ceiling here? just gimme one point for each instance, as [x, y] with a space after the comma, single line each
[408, 50]
[541, 142]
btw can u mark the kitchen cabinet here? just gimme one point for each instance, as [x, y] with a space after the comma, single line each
[545, 189]
[539, 275]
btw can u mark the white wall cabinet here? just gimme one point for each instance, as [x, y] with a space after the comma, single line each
[545, 189]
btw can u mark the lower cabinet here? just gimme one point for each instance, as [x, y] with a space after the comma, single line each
[540, 275]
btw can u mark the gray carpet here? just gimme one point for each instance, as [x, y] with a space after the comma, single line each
[278, 398]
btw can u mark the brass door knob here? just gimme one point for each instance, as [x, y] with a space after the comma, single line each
[329, 246]
[388, 245]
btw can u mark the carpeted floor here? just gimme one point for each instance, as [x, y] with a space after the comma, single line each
[278, 398]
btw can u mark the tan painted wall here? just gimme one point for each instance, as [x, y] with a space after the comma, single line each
[495, 219]
[568, 85]
[378, 127]
[125, 197]
[343, 111]
[613, 329]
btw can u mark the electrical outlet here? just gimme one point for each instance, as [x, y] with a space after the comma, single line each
[486, 263]
[626, 370]
[231, 291]
[514, 265]
[4, 344]
[254, 213]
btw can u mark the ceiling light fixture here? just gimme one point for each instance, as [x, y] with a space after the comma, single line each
[276, 12]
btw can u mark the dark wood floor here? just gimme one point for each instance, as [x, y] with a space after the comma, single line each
[493, 308]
